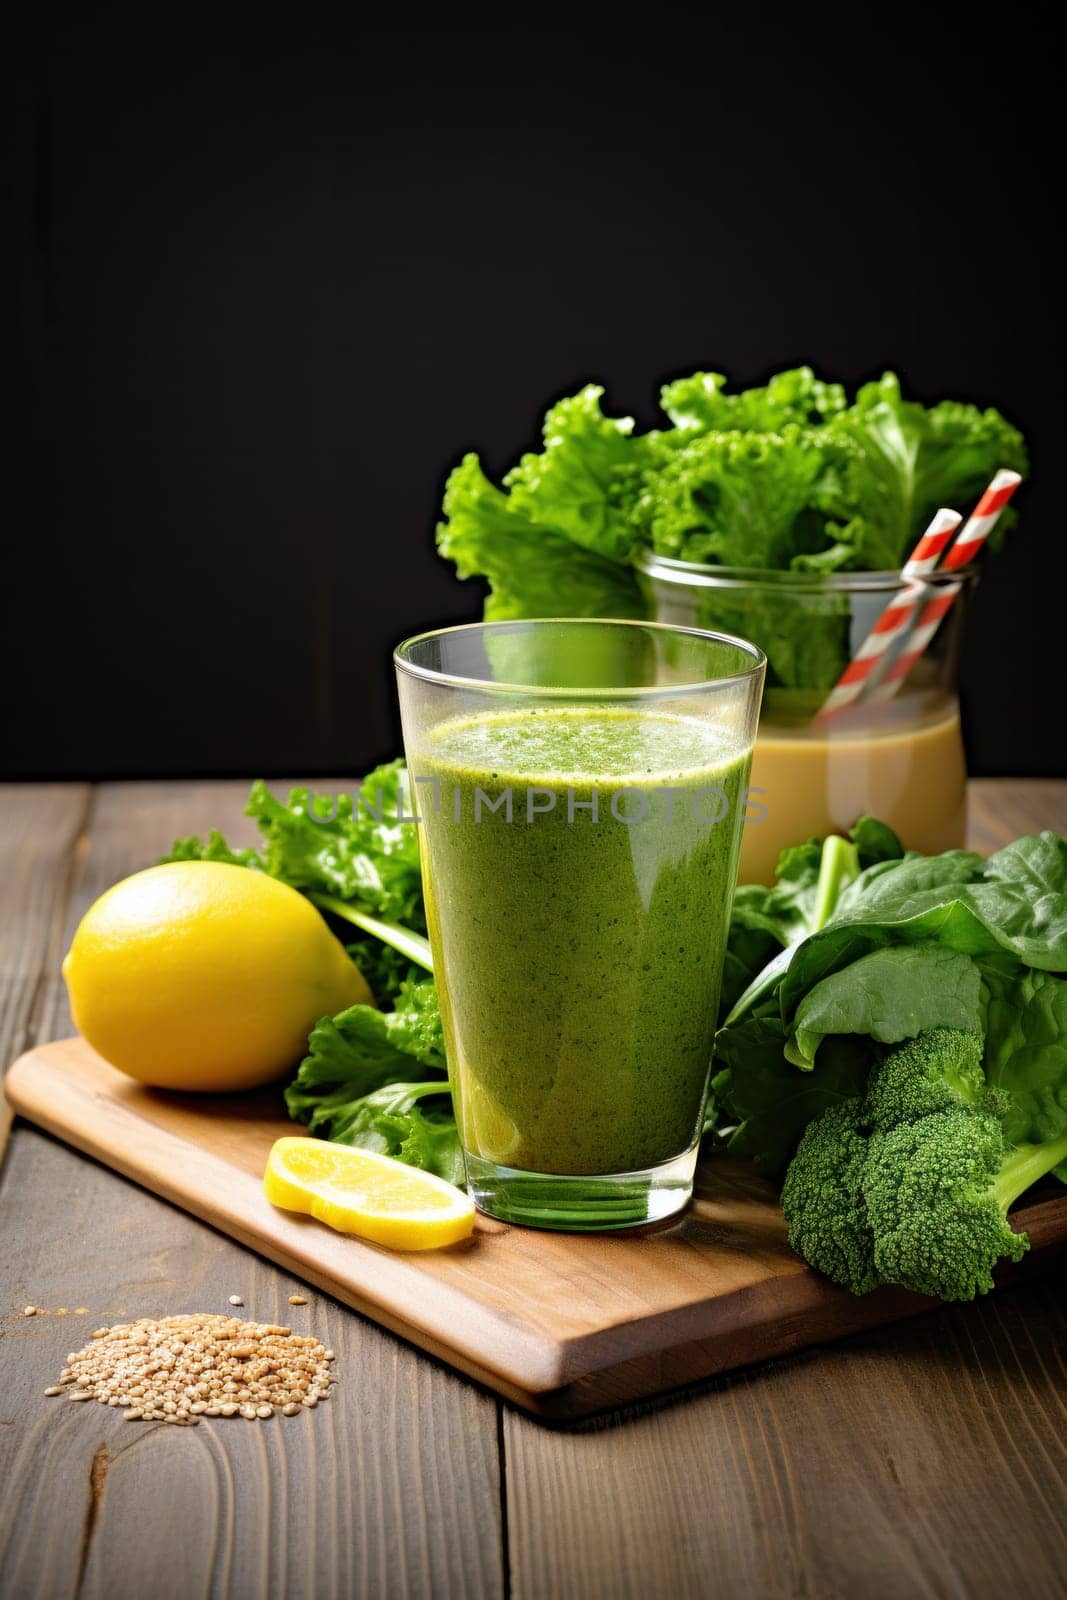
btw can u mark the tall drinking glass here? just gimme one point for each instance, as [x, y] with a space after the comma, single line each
[581, 787]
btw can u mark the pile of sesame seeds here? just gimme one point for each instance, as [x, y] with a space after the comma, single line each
[179, 1369]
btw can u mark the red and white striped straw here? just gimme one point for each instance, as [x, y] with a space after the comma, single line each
[983, 519]
[896, 616]
[972, 537]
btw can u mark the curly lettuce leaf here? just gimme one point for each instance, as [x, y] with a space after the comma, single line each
[385, 968]
[412, 1122]
[362, 1048]
[961, 449]
[806, 641]
[798, 396]
[896, 463]
[377, 1079]
[733, 498]
[532, 568]
[556, 541]
[786, 476]
[213, 848]
[423, 1136]
[582, 482]
[364, 850]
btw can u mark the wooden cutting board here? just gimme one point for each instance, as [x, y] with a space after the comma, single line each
[561, 1324]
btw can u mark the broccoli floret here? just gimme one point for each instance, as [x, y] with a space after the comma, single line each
[938, 1069]
[937, 1192]
[912, 1183]
[823, 1199]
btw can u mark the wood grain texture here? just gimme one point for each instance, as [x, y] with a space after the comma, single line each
[1000, 809]
[928, 1460]
[394, 1493]
[391, 1489]
[40, 825]
[564, 1324]
[925, 1459]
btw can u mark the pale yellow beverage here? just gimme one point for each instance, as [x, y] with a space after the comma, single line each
[901, 761]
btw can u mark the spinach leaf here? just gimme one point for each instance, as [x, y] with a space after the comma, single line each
[813, 880]
[784, 910]
[1026, 1049]
[954, 899]
[769, 1100]
[875, 842]
[1022, 895]
[889, 995]
[892, 891]
[749, 948]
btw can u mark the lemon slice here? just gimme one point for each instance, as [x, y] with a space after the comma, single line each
[362, 1192]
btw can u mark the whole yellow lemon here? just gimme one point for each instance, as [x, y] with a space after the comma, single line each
[199, 975]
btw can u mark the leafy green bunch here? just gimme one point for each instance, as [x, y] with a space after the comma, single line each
[842, 1055]
[790, 476]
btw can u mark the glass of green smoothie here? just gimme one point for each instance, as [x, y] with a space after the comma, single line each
[581, 788]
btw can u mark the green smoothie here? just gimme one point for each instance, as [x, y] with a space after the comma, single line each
[579, 866]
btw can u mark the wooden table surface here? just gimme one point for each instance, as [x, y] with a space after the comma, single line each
[927, 1459]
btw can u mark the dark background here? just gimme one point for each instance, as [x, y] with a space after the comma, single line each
[269, 282]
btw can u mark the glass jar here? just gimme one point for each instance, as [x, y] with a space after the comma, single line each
[897, 756]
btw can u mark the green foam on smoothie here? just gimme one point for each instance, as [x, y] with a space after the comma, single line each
[611, 747]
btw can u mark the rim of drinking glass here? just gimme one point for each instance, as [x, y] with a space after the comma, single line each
[551, 692]
[707, 575]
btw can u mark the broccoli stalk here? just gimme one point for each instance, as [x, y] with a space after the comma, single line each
[911, 1183]
[1026, 1165]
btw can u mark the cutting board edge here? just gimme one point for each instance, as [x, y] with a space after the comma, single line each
[557, 1379]
[542, 1366]
[833, 1314]
[542, 1372]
